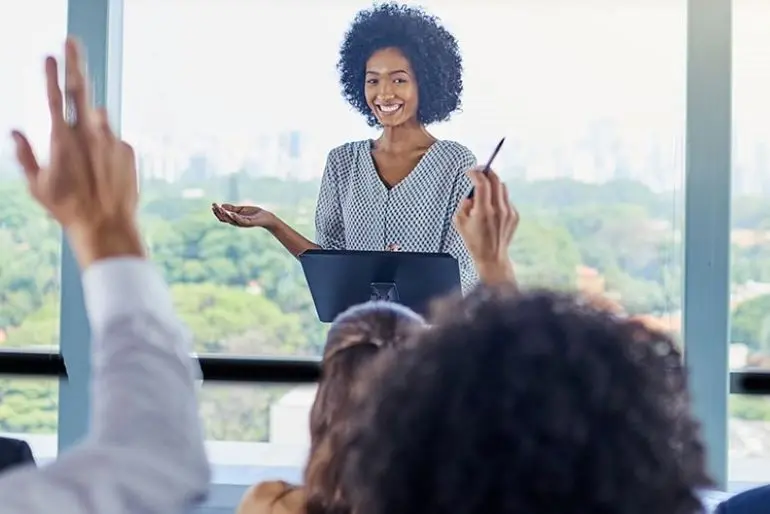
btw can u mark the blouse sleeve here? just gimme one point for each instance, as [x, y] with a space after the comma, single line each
[329, 227]
[453, 243]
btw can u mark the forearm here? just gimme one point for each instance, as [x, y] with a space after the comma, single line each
[140, 347]
[294, 242]
[496, 273]
[118, 239]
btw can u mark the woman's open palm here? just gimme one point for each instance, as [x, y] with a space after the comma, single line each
[242, 215]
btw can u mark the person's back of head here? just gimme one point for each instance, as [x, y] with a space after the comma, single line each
[355, 339]
[539, 403]
[357, 336]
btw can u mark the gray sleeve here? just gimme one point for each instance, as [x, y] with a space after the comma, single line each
[329, 226]
[453, 243]
[144, 453]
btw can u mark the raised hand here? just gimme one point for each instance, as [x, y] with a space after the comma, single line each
[89, 186]
[487, 223]
[243, 215]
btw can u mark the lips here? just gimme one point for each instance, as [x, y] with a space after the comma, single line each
[388, 109]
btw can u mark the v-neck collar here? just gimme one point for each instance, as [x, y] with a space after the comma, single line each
[420, 164]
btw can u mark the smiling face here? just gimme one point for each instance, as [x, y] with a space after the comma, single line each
[391, 88]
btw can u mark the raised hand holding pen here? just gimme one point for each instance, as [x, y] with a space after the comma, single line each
[487, 223]
[488, 166]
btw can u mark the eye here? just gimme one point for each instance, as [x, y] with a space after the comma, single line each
[371, 81]
[400, 81]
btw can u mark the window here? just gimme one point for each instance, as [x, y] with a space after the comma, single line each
[594, 151]
[238, 290]
[593, 159]
[750, 237]
[29, 262]
[30, 242]
[259, 143]
[256, 432]
[29, 411]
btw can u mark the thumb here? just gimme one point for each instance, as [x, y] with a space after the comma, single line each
[463, 212]
[464, 209]
[26, 156]
[461, 216]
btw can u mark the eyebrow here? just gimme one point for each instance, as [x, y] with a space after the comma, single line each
[370, 72]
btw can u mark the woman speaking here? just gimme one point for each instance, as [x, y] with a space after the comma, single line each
[402, 70]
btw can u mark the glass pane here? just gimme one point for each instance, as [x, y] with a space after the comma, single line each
[594, 152]
[30, 242]
[256, 432]
[749, 428]
[750, 237]
[593, 157]
[29, 411]
[232, 134]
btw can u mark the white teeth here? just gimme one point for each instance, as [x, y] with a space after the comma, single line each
[389, 108]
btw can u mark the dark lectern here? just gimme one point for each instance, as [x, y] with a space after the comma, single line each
[341, 279]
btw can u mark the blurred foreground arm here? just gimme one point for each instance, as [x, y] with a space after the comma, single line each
[487, 223]
[144, 453]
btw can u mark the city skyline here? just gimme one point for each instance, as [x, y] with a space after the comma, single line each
[547, 85]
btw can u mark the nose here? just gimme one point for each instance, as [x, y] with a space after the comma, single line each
[384, 92]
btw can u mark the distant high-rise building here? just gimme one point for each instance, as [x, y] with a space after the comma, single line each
[290, 146]
[198, 169]
[760, 170]
[294, 144]
[233, 188]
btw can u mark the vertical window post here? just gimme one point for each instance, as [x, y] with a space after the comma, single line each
[98, 25]
[707, 220]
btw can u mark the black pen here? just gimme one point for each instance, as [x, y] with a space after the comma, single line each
[489, 162]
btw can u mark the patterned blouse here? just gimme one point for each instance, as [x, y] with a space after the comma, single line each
[357, 211]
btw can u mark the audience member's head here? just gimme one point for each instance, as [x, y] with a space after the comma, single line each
[537, 403]
[356, 337]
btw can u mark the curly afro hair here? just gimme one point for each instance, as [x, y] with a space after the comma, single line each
[537, 403]
[429, 47]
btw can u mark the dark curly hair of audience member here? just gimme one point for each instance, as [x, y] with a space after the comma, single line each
[354, 340]
[536, 403]
[430, 48]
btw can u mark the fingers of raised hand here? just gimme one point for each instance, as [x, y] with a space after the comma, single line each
[55, 97]
[100, 120]
[498, 195]
[128, 157]
[482, 188]
[463, 211]
[76, 82]
[491, 199]
[26, 156]
[508, 211]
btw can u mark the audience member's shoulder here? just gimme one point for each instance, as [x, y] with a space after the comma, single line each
[459, 154]
[276, 497]
[752, 501]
